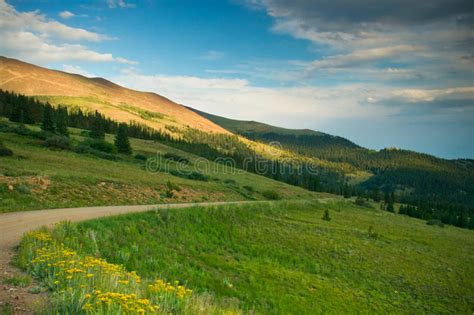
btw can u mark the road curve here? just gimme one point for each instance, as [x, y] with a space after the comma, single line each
[14, 224]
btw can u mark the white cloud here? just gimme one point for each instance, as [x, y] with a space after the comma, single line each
[363, 56]
[119, 3]
[32, 37]
[77, 70]
[354, 37]
[430, 95]
[33, 48]
[239, 99]
[12, 20]
[66, 14]
[296, 107]
[126, 61]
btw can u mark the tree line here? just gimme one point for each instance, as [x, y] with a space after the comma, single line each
[218, 147]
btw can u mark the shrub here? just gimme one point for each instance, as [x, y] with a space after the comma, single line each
[100, 145]
[326, 216]
[190, 175]
[361, 202]
[140, 157]
[271, 195]
[59, 142]
[84, 149]
[249, 188]
[4, 151]
[172, 186]
[435, 222]
[23, 189]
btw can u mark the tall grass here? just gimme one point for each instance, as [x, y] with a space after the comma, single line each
[283, 258]
[90, 285]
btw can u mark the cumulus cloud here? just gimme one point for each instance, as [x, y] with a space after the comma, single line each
[33, 37]
[351, 33]
[66, 14]
[12, 20]
[246, 101]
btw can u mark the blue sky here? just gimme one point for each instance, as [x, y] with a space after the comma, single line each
[382, 73]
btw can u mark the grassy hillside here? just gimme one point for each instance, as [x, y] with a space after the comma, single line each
[37, 177]
[283, 258]
[114, 101]
[414, 176]
[255, 130]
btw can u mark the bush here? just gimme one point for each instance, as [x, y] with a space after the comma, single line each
[100, 145]
[435, 222]
[23, 189]
[172, 186]
[190, 175]
[60, 142]
[326, 216]
[249, 188]
[140, 157]
[5, 151]
[84, 149]
[361, 202]
[271, 195]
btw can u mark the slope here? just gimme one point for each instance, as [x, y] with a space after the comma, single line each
[255, 130]
[112, 100]
[414, 176]
[38, 177]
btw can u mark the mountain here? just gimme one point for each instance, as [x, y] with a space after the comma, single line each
[290, 138]
[255, 130]
[330, 163]
[115, 101]
[409, 173]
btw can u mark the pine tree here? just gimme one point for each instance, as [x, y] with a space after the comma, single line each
[376, 194]
[390, 207]
[47, 121]
[121, 140]
[61, 119]
[97, 127]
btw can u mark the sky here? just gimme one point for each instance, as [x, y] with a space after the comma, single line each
[382, 73]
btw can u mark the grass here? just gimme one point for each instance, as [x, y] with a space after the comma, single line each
[282, 257]
[90, 285]
[18, 280]
[36, 177]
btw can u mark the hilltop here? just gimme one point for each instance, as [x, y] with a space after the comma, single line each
[113, 100]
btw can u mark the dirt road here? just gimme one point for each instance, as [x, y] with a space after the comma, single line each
[14, 224]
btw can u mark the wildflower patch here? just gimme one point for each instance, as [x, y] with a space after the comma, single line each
[92, 285]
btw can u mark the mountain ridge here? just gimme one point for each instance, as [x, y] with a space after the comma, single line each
[60, 87]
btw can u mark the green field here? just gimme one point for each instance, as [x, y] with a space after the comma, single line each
[281, 257]
[36, 177]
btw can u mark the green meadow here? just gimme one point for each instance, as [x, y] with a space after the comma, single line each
[283, 258]
[38, 177]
